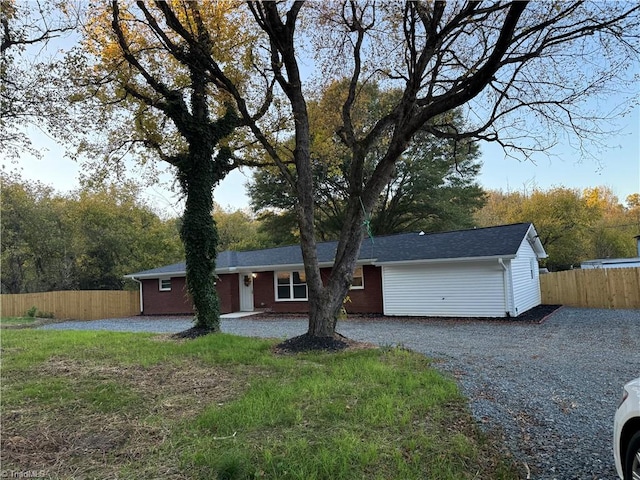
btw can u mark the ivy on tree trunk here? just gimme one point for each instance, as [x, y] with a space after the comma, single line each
[199, 172]
[191, 101]
[200, 238]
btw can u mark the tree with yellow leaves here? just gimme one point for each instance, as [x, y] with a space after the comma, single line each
[573, 226]
[144, 73]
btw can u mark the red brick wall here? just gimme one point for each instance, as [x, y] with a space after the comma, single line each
[227, 287]
[263, 291]
[173, 302]
[178, 302]
[367, 300]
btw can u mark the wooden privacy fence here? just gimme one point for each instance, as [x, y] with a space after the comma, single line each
[78, 305]
[592, 288]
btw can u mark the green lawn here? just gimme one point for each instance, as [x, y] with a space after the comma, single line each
[119, 405]
[13, 321]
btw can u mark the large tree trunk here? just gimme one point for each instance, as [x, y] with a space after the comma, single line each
[325, 305]
[323, 314]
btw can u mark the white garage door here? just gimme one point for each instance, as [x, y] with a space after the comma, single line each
[465, 290]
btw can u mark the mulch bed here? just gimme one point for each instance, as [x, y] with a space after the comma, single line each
[536, 315]
[302, 343]
[307, 343]
[191, 333]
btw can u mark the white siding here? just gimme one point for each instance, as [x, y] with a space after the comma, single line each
[447, 290]
[525, 279]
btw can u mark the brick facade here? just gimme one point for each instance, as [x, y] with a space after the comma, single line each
[172, 302]
[227, 287]
[177, 301]
[369, 299]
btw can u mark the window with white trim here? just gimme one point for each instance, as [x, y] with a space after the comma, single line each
[291, 286]
[533, 266]
[164, 284]
[358, 279]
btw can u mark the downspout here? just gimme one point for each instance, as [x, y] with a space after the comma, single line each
[140, 289]
[505, 286]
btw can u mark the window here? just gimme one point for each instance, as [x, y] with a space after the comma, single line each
[358, 279]
[291, 286]
[165, 284]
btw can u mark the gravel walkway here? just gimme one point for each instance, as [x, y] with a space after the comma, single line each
[550, 389]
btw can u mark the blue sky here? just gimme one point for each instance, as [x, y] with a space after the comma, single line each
[617, 166]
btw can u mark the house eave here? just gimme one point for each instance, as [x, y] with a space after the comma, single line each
[270, 268]
[447, 260]
[245, 269]
[534, 240]
[147, 276]
[611, 261]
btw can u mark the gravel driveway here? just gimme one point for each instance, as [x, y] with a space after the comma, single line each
[550, 389]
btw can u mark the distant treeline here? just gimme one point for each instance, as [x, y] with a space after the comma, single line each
[85, 240]
[90, 238]
[573, 225]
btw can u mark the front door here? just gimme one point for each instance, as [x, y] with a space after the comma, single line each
[246, 292]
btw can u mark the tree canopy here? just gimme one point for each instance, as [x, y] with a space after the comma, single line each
[28, 94]
[433, 188]
[86, 240]
[238, 230]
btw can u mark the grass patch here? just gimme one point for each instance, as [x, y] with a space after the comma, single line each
[14, 321]
[122, 405]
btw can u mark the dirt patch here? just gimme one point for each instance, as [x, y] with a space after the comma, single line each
[93, 446]
[77, 439]
[174, 389]
[38, 322]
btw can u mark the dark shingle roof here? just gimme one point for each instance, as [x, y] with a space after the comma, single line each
[478, 242]
[176, 268]
[405, 247]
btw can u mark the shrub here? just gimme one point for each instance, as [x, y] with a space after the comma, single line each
[33, 312]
